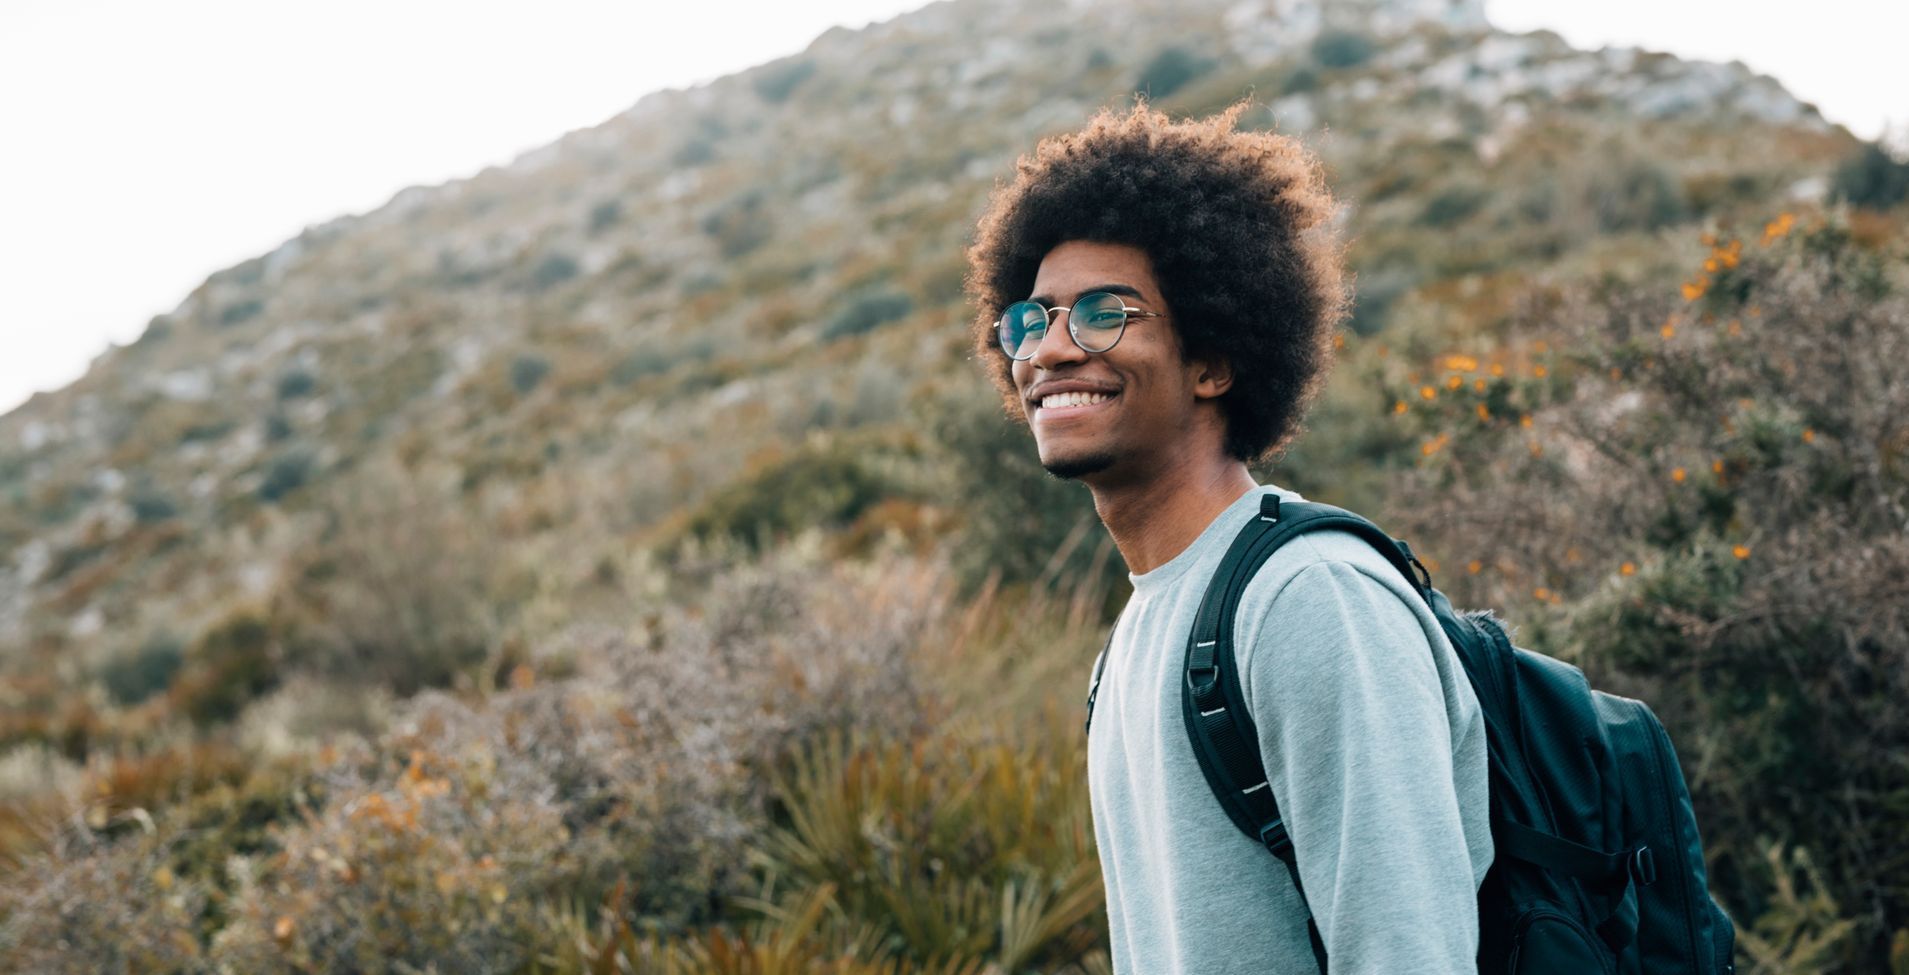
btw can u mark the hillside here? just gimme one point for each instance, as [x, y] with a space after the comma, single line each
[647, 305]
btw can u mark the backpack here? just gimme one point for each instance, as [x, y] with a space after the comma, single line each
[1599, 868]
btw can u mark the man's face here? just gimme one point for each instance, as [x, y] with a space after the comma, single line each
[1149, 412]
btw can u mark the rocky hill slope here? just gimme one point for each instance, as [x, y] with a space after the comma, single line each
[579, 350]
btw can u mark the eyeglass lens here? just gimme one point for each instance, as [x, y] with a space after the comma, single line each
[1096, 322]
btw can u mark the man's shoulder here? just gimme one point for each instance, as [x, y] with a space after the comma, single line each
[1326, 558]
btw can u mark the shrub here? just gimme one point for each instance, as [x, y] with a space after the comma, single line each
[606, 214]
[134, 677]
[825, 486]
[553, 269]
[96, 906]
[401, 591]
[775, 82]
[740, 225]
[1170, 70]
[527, 371]
[1872, 177]
[1638, 194]
[867, 311]
[286, 473]
[150, 504]
[239, 312]
[1700, 499]
[232, 663]
[1453, 205]
[296, 383]
[1341, 49]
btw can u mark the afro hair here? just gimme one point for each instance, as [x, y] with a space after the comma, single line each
[1238, 226]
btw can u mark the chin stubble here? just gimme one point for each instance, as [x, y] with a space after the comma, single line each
[1075, 467]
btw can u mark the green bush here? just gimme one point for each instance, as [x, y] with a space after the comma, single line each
[816, 487]
[286, 473]
[527, 371]
[775, 82]
[1873, 178]
[1171, 70]
[1342, 49]
[295, 383]
[1453, 205]
[867, 311]
[606, 214]
[150, 504]
[134, 677]
[234, 662]
[554, 269]
[239, 312]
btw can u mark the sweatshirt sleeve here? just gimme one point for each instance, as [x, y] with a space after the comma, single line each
[1358, 744]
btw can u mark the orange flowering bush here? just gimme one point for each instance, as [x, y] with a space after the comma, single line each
[1710, 490]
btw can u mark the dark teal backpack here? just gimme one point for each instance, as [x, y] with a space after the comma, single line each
[1599, 868]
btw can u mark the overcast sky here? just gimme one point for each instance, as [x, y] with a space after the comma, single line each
[145, 145]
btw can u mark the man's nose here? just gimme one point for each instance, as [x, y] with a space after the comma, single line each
[1057, 345]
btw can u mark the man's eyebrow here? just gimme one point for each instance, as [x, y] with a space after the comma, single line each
[1124, 290]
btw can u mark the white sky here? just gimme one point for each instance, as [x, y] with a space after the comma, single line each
[145, 145]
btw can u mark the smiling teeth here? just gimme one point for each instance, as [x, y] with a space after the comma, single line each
[1073, 399]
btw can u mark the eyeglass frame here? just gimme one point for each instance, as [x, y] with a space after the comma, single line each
[1073, 334]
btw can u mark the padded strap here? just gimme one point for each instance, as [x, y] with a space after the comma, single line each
[1225, 739]
[1100, 664]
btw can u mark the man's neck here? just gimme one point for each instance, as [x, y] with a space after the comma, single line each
[1152, 521]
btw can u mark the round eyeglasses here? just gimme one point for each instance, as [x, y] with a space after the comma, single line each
[1096, 322]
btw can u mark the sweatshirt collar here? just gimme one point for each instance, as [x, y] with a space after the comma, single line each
[1224, 523]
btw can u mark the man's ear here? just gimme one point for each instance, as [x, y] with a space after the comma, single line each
[1210, 379]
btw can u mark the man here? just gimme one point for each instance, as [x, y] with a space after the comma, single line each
[1157, 301]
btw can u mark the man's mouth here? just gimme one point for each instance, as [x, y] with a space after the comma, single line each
[1058, 401]
[1057, 406]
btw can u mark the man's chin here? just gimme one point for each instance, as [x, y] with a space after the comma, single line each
[1075, 468]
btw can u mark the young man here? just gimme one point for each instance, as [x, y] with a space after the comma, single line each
[1157, 301]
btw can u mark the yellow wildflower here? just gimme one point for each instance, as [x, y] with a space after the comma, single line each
[1474, 567]
[1677, 475]
[1741, 551]
[1809, 436]
[1428, 392]
[1463, 363]
[1454, 382]
[1628, 568]
[1497, 368]
[1694, 290]
[1539, 371]
[1483, 413]
[1398, 407]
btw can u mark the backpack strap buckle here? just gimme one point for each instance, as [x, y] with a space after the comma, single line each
[1275, 838]
[1642, 866]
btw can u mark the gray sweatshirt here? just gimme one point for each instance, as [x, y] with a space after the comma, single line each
[1372, 740]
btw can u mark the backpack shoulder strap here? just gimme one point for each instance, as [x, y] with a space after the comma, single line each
[1224, 737]
[1100, 664]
